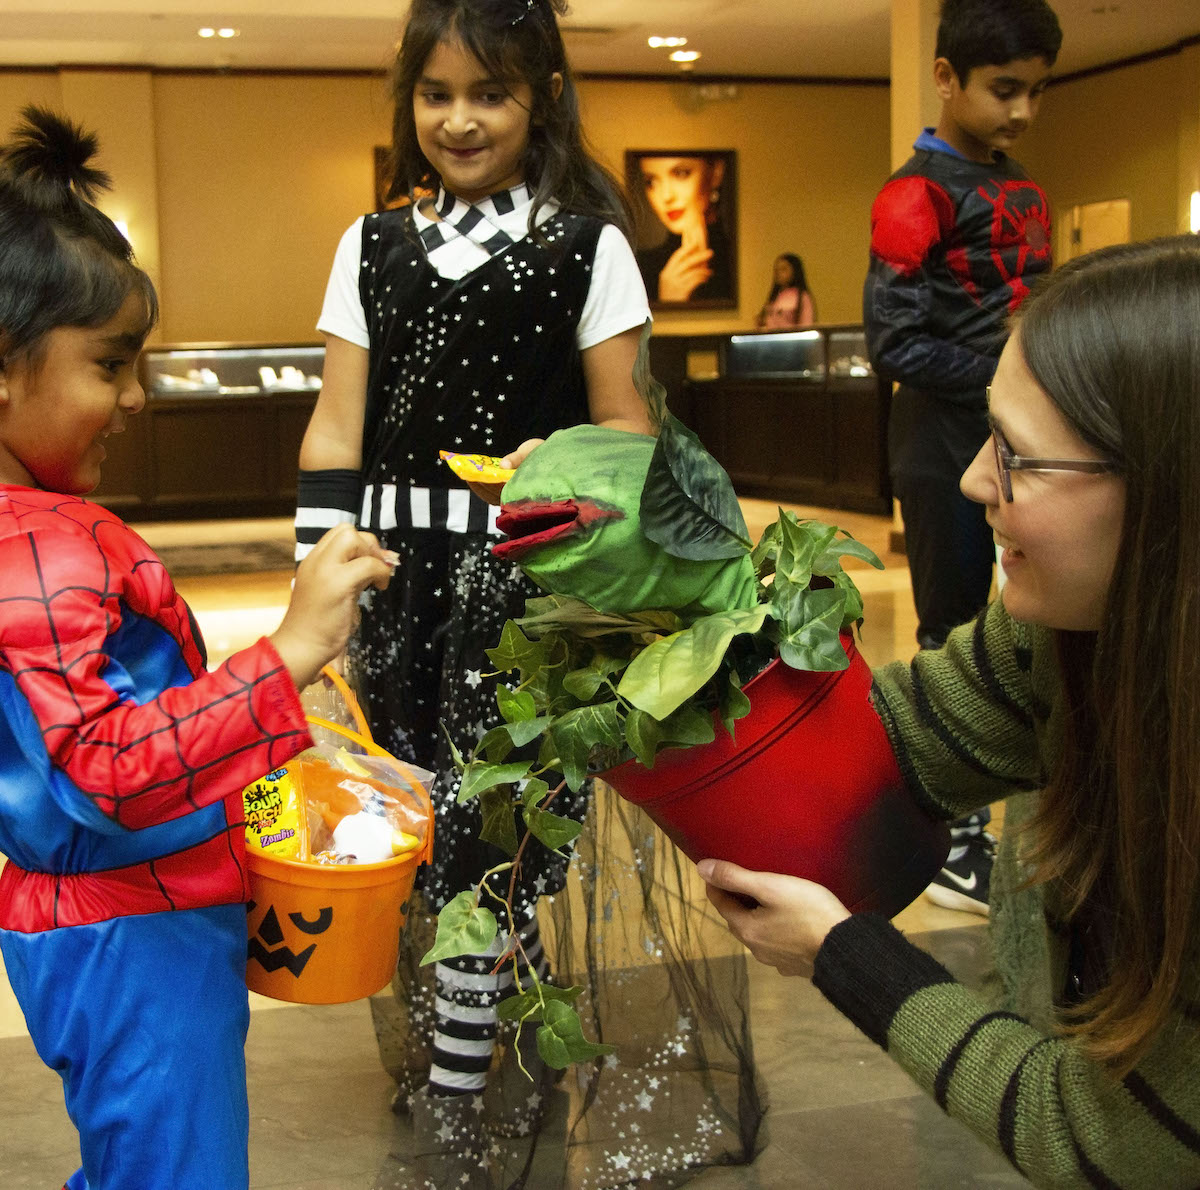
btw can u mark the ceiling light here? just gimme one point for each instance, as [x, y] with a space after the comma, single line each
[685, 55]
[227, 32]
[207, 32]
[658, 43]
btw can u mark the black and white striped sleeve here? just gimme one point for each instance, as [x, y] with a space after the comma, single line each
[324, 499]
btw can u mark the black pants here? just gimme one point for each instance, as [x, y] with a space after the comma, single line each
[950, 556]
[931, 442]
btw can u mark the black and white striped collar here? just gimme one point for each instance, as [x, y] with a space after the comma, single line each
[478, 222]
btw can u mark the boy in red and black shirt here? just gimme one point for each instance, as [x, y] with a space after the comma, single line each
[958, 235]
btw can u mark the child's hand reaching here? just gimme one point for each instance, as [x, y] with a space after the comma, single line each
[324, 603]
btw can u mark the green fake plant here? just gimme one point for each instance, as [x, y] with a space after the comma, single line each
[660, 609]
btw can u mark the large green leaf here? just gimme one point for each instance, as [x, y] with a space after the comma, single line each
[529, 1003]
[578, 732]
[463, 928]
[515, 705]
[565, 613]
[528, 730]
[496, 745]
[499, 825]
[810, 622]
[829, 561]
[799, 545]
[649, 389]
[551, 830]
[688, 504]
[583, 683]
[671, 670]
[687, 727]
[560, 1040]
[480, 777]
[643, 734]
[734, 704]
[517, 651]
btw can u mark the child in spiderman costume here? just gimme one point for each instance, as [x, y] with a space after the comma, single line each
[122, 761]
[958, 235]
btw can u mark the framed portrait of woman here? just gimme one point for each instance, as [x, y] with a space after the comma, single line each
[685, 206]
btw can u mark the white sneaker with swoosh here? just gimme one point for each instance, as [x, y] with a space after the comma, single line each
[964, 881]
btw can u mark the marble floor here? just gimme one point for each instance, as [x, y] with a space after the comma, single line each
[842, 1116]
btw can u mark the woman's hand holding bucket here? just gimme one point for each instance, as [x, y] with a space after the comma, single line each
[781, 920]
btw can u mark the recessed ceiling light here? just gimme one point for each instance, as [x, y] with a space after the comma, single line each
[658, 43]
[685, 55]
[207, 32]
[227, 32]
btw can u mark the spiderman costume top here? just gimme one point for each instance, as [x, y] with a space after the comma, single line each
[122, 760]
[955, 245]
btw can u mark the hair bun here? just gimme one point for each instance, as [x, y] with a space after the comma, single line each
[48, 149]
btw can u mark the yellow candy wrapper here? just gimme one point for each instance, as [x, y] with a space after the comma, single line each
[275, 822]
[477, 468]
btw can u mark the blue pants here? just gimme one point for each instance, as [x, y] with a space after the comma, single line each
[145, 1019]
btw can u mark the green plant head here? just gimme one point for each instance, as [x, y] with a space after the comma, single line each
[574, 519]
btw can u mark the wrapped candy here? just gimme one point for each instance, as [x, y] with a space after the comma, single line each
[343, 801]
[477, 468]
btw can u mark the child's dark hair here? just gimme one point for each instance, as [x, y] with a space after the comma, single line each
[63, 262]
[992, 32]
[799, 281]
[515, 40]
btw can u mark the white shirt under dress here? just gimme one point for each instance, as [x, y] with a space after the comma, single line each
[615, 302]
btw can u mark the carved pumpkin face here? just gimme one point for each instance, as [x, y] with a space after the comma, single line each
[272, 956]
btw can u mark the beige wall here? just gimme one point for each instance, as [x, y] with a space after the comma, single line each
[810, 159]
[259, 176]
[236, 187]
[1127, 133]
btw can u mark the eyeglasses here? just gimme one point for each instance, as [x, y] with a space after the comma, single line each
[1007, 462]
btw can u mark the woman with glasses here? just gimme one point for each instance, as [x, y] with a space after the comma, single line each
[1076, 698]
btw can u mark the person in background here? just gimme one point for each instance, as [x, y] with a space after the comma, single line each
[1076, 697]
[693, 263]
[789, 302]
[959, 234]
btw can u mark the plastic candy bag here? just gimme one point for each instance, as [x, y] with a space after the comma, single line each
[345, 800]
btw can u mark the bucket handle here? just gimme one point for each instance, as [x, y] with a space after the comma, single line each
[339, 684]
[364, 741]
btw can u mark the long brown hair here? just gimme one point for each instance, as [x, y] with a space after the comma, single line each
[1114, 340]
[515, 40]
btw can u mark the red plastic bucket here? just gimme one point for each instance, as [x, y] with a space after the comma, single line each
[810, 788]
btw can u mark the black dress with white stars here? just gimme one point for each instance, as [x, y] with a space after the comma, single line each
[476, 364]
[480, 363]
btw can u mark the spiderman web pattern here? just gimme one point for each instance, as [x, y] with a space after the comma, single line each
[70, 568]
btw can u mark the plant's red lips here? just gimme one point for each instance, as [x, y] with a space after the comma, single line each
[529, 524]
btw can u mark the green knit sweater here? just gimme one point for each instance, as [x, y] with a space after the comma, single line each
[971, 723]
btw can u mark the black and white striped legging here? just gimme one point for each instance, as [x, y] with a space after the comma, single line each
[467, 997]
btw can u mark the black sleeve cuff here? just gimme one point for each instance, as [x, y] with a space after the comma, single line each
[336, 487]
[867, 969]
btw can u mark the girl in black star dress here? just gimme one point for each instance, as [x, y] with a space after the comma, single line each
[505, 306]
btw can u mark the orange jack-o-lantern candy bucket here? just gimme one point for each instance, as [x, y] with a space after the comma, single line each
[328, 933]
